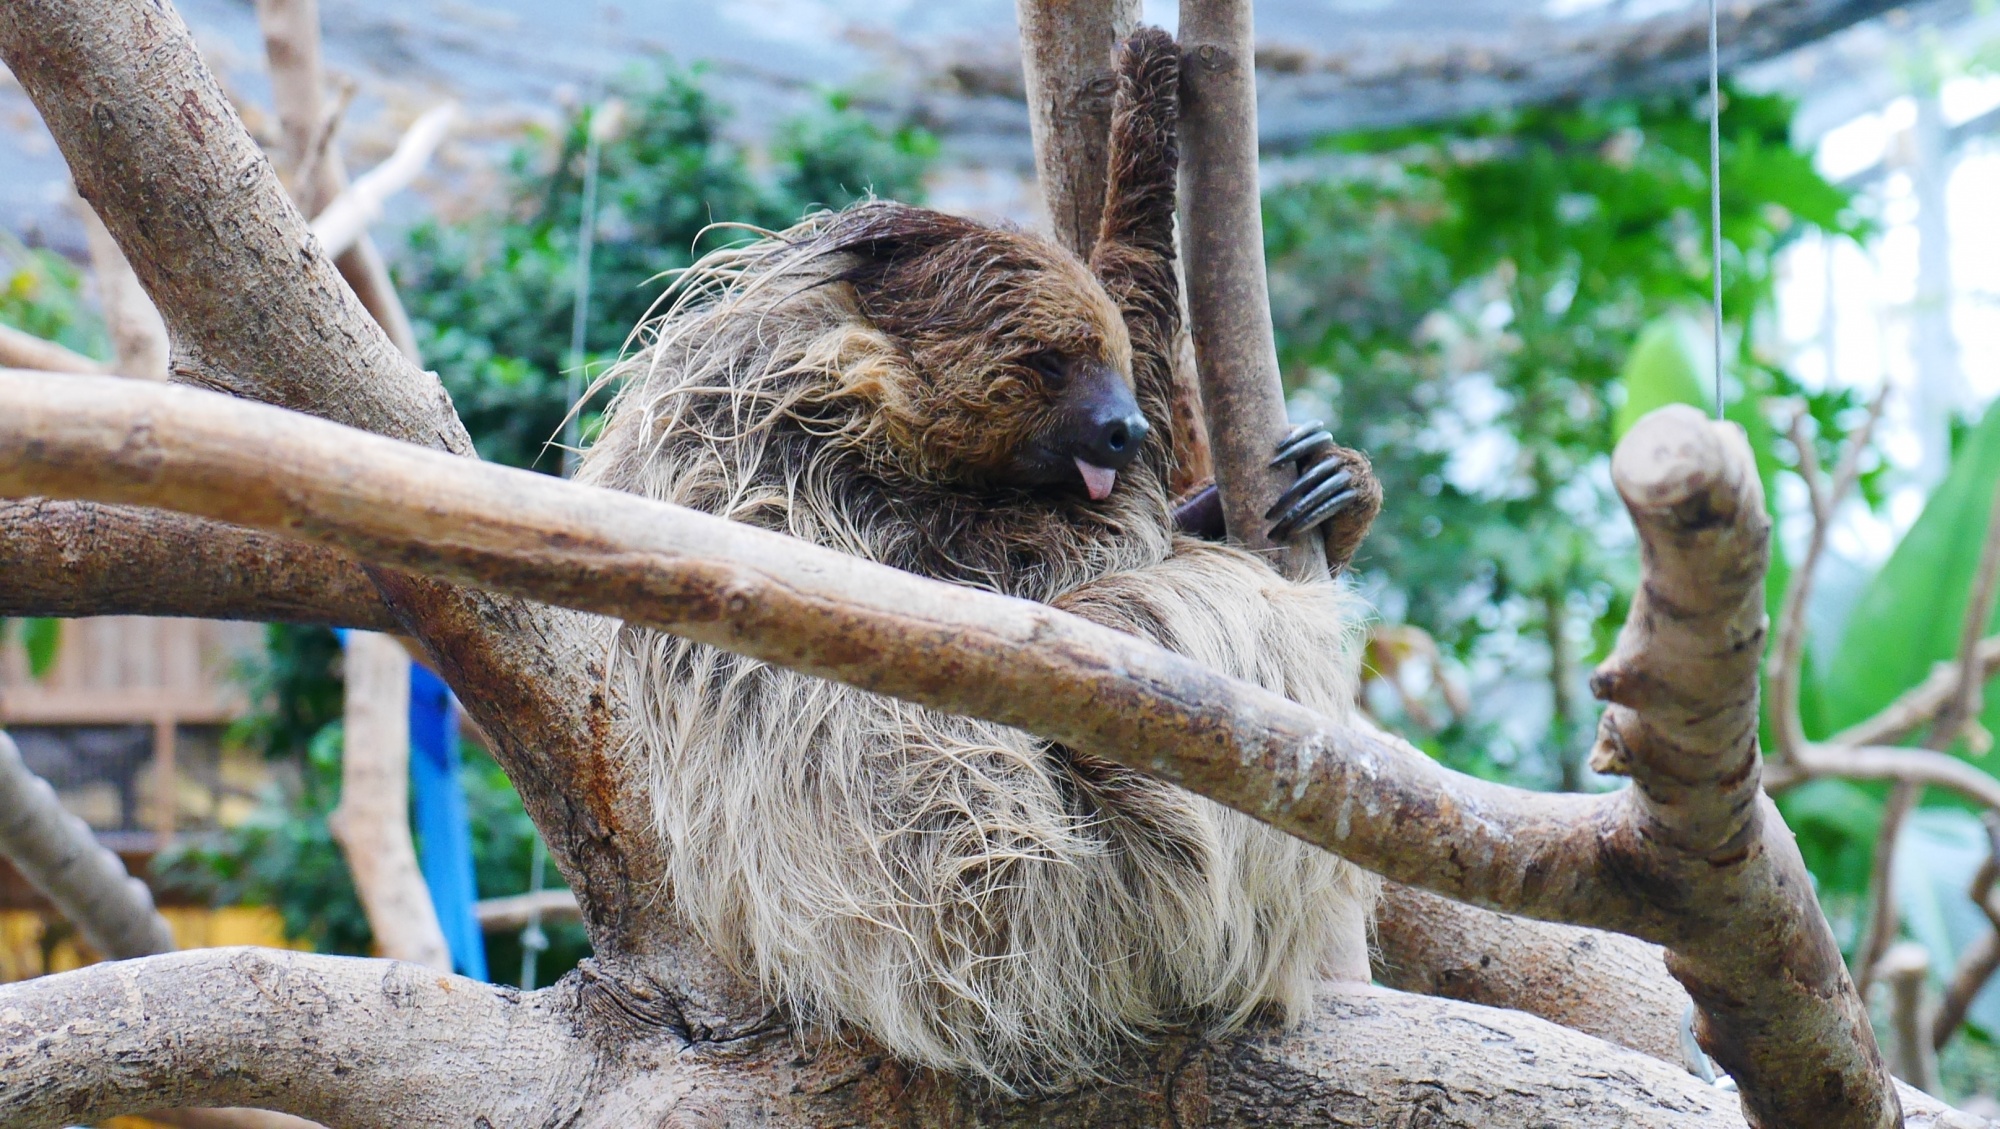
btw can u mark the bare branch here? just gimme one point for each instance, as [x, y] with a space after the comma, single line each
[1918, 706]
[59, 856]
[1692, 858]
[372, 823]
[346, 1042]
[298, 85]
[1960, 715]
[139, 343]
[501, 915]
[1787, 659]
[22, 350]
[1883, 921]
[1977, 964]
[80, 558]
[369, 1043]
[342, 223]
[1066, 58]
[1603, 984]
[1904, 969]
[1229, 303]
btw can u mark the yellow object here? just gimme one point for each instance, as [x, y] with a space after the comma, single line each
[34, 944]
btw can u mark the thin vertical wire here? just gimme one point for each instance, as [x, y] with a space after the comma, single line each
[1715, 188]
[586, 239]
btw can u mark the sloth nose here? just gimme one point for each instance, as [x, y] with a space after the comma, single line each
[1115, 440]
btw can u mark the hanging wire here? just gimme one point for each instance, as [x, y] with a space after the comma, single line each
[1715, 188]
[533, 939]
[586, 240]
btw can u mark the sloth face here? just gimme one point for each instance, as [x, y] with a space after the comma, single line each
[1018, 366]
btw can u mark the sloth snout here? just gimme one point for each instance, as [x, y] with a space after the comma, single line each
[1114, 440]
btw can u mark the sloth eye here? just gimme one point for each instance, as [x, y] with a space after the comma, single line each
[1049, 367]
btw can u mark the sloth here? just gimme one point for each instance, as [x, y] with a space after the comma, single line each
[976, 404]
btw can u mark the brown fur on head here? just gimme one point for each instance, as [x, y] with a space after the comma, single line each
[1016, 359]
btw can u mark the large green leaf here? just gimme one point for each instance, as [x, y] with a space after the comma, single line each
[1660, 370]
[1908, 617]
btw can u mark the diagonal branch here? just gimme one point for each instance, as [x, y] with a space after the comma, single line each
[257, 310]
[1691, 857]
[24, 350]
[342, 223]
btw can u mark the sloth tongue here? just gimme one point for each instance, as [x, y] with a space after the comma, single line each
[1097, 479]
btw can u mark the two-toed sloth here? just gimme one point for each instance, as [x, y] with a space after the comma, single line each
[975, 404]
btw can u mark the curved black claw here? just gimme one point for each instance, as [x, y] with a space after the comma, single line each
[1304, 439]
[1316, 482]
[1315, 509]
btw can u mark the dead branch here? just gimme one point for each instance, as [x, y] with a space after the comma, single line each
[1066, 56]
[1977, 964]
[1229, 303]
[372, 823]
[342, 223]
[1787, 662]
[59, 856]
[80, 558]
[139, 345]
[23, 350]
[1691, 858]
[1918, 706]
[1905, 968]
[298, 85]
[504, 915]
[393, 1045]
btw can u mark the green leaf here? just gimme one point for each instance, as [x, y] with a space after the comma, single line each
[1908, 617]
[1660, 370]
[41, 638]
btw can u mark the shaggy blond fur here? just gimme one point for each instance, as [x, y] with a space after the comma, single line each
[970, 896]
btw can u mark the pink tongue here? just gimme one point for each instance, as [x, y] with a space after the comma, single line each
[1098, 480]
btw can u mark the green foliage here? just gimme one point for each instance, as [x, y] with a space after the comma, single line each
[297, 683]
[1469, 296]
[40, 638]
[492, 298]
[1908, 617]
[42, 293]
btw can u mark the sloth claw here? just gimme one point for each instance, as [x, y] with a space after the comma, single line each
[1315, 510]
[1304, 438]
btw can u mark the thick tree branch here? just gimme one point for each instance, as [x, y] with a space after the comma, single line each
[82, 559]
[370, 1044]
[59, 856]
[255, 309]
[1692, 857]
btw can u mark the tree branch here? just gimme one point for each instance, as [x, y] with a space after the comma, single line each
[139, 345]
[1229, 302]
[195, 206]
[80, 559]
[1691, 858]
[1981, 958]
[1066, 59]
[372, 823]
[342, 223]
[23, 350]
[1918, 706]
[59, 856]
[369, 1043]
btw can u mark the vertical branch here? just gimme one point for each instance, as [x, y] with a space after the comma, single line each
[372, 822]
[1977, 964]
[1229, 303]
[1905, 968]
[298, 85]
[138, 335]
[1066, 59]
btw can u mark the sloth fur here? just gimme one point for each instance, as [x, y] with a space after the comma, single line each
[972, 897]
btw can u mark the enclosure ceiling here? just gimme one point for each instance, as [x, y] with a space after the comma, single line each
[1326, 64]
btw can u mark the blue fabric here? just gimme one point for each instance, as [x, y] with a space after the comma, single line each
[444, 832]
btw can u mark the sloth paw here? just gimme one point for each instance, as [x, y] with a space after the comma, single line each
[1336, 493]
